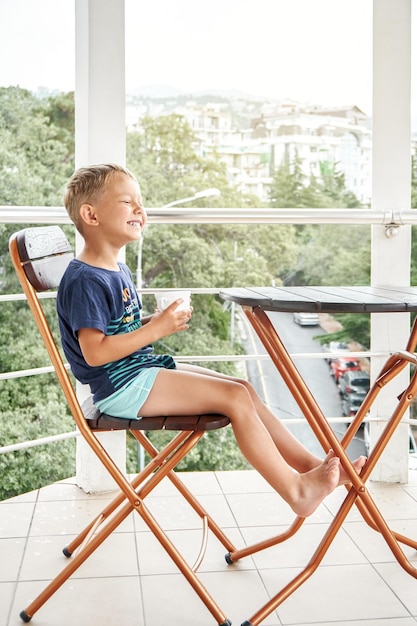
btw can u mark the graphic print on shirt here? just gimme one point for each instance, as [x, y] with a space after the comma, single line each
[130, 320]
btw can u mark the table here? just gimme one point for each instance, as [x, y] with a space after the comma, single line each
[256, 302]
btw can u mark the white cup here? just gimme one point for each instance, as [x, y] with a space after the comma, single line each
[165, 298]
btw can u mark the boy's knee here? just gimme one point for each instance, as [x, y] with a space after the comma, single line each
[242, 392]
[248, 386]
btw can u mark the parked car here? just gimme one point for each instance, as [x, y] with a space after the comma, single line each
[351, 404]
[342, 364]
[354, 382]
[334, 346]
[306, 319]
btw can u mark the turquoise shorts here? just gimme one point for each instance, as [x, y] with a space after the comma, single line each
[127, 401]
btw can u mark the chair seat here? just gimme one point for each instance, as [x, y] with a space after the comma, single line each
[170, 422]
[103, 421]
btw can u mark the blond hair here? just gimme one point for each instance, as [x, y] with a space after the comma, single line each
[86, 185]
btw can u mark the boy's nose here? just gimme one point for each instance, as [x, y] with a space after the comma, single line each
[139, 210]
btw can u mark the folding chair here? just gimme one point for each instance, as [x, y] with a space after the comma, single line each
[40, 256]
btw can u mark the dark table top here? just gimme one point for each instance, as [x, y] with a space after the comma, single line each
[325, 299]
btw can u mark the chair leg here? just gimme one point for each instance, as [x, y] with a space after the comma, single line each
[159, 459]
[186, 493]
[113, 519]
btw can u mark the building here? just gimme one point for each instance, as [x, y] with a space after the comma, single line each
[252, 147]
[325, 140]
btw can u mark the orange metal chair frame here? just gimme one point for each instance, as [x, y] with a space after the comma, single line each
[40, 256]
[357, 492]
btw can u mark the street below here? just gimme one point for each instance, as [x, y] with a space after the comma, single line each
[315, 371]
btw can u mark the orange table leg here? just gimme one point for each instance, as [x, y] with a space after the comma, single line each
[357, 493]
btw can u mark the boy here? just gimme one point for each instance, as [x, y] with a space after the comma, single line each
[109, 346]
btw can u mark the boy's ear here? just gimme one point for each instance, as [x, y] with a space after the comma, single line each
[88, 215]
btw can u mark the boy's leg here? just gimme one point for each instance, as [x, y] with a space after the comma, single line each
[294, 453]
[179, 391]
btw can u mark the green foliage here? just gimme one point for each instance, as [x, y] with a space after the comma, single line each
[208, 320]
[334, 255]
[222, 256]
[36, 160]
[289, 185]
[216, 451]
[36, 156]
[327, 254]
[274, 244]
[334, 187]
[163, 155]
[25, 470]
[414, 228]
[291, 188]
[355, 327]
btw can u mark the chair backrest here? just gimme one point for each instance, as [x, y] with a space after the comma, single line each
[44, 253]
[40, 256]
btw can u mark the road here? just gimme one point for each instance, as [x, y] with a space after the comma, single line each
[272, 389]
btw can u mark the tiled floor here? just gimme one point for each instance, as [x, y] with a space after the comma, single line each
[129, 581]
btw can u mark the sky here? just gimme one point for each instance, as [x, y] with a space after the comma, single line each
[317, 51]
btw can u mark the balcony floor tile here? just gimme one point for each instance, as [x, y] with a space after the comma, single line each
[130, 579]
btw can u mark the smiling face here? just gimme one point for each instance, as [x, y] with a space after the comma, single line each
[117, 213]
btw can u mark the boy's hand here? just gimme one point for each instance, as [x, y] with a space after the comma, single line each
[170, 320]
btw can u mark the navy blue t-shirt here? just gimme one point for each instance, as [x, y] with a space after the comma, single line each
[92, 297]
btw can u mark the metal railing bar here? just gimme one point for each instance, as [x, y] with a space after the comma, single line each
[178, 215]
[265, 357]
[208, 358]
[12, 297]
[29, 372]
[24, 445]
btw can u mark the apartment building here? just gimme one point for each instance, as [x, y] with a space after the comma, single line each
[324, 139]
[253, 140]
[337, 139]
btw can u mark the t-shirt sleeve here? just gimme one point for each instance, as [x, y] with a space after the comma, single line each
[86, 306]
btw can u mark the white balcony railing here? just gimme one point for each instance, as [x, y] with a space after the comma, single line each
[392, 220]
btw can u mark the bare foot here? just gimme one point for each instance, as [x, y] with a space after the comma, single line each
[357, 465]
[316, 484]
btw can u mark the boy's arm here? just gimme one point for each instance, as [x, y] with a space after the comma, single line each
[99, 349]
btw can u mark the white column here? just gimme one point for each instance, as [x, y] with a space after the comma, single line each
[391, 176]
[100, 136]
[100, 126]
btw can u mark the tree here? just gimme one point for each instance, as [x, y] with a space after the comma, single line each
[164, 155]
[25, 470]
[292, 188]
[36, 158]
[414, 228]
[289, 184]
[334, 255]
[355, 328]
[327, 254]
[334, 187]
